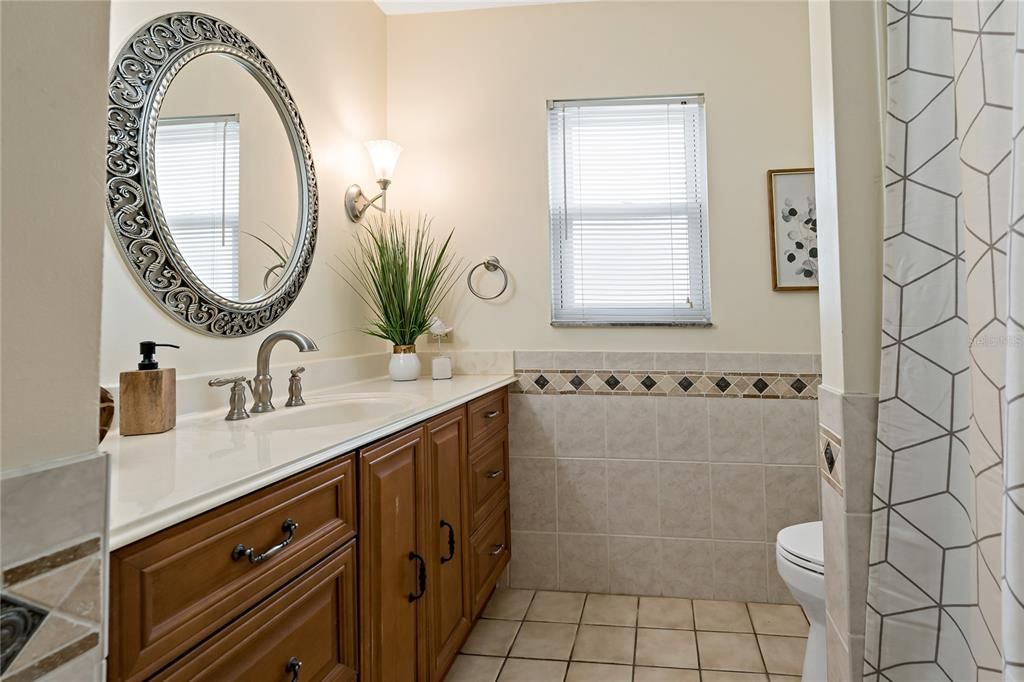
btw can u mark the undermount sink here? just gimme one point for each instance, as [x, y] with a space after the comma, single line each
[324, 411]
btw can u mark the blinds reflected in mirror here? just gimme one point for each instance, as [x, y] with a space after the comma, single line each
[197, 168]
[628, 211]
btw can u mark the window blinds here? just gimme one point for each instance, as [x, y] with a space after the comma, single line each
[197, 166]
[628, 211]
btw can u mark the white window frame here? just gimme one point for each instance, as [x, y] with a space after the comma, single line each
[568, 314]
[227, 280]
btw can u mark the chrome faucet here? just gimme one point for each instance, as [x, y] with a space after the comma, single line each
[262, 391]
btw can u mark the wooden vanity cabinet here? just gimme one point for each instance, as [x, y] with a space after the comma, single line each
[238, 592]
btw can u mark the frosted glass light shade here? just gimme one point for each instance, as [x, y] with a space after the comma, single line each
[384, 156]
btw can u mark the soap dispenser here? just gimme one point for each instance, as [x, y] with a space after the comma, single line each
[148, 398]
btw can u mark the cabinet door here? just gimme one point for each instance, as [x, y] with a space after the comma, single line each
[391, 563]
[449, 598]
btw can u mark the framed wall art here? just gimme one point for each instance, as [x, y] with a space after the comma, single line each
[793, 224]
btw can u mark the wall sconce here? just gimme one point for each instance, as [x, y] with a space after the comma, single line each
[384, 156]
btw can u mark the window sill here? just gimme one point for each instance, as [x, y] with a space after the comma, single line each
[694, 323]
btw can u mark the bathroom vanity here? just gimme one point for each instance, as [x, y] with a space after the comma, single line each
[333, 551]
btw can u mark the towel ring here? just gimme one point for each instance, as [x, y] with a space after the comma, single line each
[491, 264]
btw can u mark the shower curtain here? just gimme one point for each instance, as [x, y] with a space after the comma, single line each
[946, 577]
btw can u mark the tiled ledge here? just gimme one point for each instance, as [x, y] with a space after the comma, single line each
[663, 383]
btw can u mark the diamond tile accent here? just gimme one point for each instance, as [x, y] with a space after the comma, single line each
[685, 383]
[760, 385]
[723, 384]
[576, 382]
[648, 382]
[611, 382]
[541, 382]
[798, 385]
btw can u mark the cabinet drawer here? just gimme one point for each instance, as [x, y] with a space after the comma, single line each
[312, 620]
[488, 415]
[175, 588]
[491, 549]
[488, 481]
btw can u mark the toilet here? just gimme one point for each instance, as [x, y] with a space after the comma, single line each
[800, 557]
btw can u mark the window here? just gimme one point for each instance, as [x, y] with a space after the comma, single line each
[628, 211]
[197, 166]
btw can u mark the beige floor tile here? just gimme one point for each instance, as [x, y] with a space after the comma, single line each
[556, 607]
[729, 651]
[723, 616]
[783, 678]
[665, 675]
[544, 640]
[666, 648]
[666, 612]
[598, 672]
[783, 655]
[525, 670]
[604, 644]
[778, 619]
[610, 609]
[491, 637]
[474, 669]
[508, 604]
[720, 676]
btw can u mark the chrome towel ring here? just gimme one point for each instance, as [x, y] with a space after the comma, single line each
[491, 264]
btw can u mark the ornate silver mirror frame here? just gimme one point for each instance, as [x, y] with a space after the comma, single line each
[138, 82]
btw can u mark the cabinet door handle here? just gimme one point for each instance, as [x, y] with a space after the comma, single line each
[498, 549]
[451, 542]
[293, 666]
[413, 596]
[241, 550]
[495, 473]
[491, 415]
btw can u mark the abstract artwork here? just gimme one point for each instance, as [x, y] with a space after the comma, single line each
[794, 229]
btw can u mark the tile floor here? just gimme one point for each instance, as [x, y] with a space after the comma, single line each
[527, 636]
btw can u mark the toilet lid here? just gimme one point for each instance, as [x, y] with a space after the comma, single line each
[804, 541]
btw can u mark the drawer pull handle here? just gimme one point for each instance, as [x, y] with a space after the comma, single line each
[293, 667]
[491, 415]
[451, 542]
[498, 549]
[495, 473]
[241, 550]
[413, 596]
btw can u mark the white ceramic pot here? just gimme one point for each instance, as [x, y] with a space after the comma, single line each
[404, 364]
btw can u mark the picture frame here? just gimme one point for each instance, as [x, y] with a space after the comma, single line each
[793, 226]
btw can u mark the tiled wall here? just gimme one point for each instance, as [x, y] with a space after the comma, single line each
[660, 473]
[52, 526]
[848, 432]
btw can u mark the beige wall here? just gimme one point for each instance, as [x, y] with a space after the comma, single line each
[848, 88]
[466, 98]
[332, 56]
[54, 70]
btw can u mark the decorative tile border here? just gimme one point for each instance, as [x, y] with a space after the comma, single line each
[829, 451]
[802, 386]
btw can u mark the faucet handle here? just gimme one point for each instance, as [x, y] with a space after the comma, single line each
[236, 403]
[225, 382]
[295, 388]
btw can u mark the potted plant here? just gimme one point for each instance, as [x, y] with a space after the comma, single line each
[402, 273]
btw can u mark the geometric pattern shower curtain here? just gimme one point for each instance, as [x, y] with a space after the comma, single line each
[946, 578]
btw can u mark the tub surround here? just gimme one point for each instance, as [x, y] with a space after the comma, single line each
[159, 480]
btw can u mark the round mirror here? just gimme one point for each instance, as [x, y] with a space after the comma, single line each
[227, 178]
[210, 182]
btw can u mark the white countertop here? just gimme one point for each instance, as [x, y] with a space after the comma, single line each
[162, 479]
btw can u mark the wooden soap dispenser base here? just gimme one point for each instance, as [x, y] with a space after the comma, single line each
[147, 396]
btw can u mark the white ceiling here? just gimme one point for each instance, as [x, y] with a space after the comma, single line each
[424, 6]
